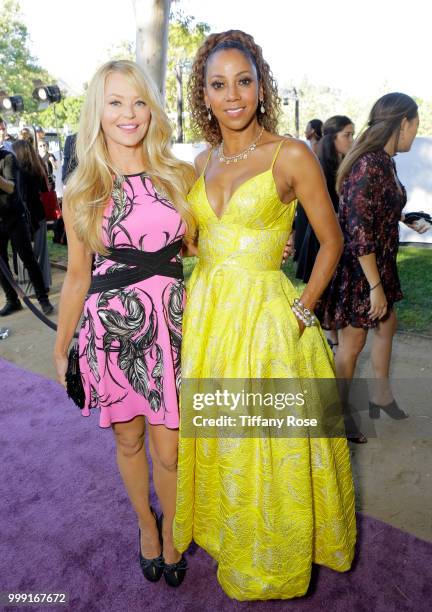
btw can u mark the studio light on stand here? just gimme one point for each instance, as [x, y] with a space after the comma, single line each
[293, 94]
[47, 95]
[12, 104]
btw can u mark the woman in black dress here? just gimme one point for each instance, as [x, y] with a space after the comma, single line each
[366, 285]
[32, 181]
[313, 134]
[336, 142]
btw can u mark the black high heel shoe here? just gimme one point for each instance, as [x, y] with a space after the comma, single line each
[392, 410]
[353, 433]
[174, 573]
[152, 569]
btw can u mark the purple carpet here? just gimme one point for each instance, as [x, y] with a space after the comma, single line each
[66, 525]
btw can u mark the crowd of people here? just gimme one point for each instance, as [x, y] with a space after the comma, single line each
[27, 172]
[264, 508]
[23, 178]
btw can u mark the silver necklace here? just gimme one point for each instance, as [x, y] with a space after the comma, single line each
[228, 159]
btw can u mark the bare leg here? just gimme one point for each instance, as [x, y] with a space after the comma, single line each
[381, 356]
[163, 443]
[133, 466]
[332, 338]
[351, 343]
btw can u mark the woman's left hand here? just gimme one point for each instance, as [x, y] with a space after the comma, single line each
[420, 226]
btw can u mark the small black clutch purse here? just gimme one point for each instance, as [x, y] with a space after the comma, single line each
[74, 385]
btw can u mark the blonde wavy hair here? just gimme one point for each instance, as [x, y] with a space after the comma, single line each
[90, 186]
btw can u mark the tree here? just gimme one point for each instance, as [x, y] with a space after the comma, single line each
[65, 113]
[18, 68]
[152, 18]
[321, 102]
[184, 39]
[124, 50]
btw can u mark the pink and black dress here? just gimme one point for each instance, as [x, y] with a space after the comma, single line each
[130, 337]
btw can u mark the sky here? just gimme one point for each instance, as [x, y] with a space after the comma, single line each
[354, 46]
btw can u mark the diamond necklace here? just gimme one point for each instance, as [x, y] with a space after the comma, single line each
[228, 159]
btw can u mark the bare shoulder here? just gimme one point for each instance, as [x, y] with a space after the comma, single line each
[294, 150]
[200, 160]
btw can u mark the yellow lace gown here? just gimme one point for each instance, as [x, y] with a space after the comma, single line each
[263, 508]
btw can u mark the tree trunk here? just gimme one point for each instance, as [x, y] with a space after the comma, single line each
[179, 81]
[152, 19]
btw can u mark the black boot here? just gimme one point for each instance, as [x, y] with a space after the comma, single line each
[10, 307]
[47, 307]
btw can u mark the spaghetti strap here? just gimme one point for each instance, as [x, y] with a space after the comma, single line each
[207, 161]
[277, 153]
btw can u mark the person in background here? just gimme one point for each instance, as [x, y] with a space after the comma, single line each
[13, 228]
[70, 161]
[6, 140]
[31, 182]
[26, 134]
[49, 161]
[337, 140]
[365, 286]
[313, 134]
[40, 134]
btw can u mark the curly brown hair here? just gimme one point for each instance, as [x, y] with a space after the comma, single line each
[231, 39]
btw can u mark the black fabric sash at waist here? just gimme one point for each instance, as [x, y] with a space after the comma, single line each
[145, 264]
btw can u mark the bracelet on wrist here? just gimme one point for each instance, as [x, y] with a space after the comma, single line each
[303, 314]
[375, 286]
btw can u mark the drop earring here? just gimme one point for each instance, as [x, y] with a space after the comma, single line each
[262, 108]
[209, 113]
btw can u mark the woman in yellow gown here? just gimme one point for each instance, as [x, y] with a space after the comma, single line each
[264, 508]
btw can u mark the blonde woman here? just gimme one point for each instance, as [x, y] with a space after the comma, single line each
[125, 204]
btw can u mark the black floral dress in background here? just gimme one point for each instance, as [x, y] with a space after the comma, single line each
[371, 203]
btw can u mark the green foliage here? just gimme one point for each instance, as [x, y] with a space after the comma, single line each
[67, 111]
[321, 102]
[184, 39]
[124, 50]
[425, 114]
[414, 312]
[18, 68]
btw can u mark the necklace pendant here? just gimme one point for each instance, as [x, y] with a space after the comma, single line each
[243, 155]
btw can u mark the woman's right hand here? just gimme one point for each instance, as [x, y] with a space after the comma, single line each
[378, 303]
[61, 364]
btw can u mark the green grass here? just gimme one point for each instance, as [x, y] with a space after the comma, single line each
[415, 270]
[57, 252]
[414, 311]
